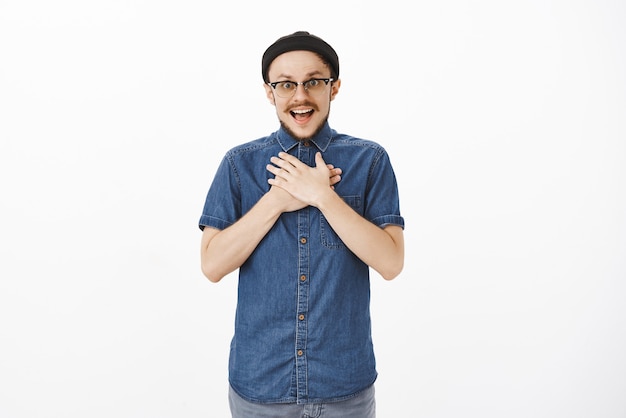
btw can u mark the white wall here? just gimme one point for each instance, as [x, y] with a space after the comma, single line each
[505, 122]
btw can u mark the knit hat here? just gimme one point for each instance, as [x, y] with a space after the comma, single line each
[299, 41]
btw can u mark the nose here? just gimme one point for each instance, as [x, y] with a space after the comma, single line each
[300, 91]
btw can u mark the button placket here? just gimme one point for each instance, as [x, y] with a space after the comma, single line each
[302, 290]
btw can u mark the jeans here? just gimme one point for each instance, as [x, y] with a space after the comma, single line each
[362, 405]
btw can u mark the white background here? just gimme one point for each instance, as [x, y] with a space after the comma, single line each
[505, 122]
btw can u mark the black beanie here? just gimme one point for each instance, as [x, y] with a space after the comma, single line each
[299, 41]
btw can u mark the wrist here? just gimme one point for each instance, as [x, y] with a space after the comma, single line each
[326, 199]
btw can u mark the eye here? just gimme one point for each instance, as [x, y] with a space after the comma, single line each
[286, 85]
[312, 83]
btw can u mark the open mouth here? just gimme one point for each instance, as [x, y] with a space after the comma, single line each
[301, 115]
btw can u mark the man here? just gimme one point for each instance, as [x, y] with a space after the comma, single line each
[303, 214]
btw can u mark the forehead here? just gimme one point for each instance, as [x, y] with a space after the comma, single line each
[294, 64]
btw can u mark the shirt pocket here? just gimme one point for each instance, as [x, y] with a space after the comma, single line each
[329, 237]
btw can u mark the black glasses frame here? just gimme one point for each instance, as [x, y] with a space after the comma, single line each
[302, 83]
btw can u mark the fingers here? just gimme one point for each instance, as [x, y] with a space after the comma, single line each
[318, 159]
[334, 171]
[273, 169]
[287, 164]
[284, 165]
[285, 160]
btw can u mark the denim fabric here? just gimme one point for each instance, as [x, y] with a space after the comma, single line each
[302, 324]
[362, 405]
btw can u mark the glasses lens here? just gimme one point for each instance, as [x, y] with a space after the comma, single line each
[314, 86]
[286, 88]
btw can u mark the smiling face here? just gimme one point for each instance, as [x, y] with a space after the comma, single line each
[303, 114]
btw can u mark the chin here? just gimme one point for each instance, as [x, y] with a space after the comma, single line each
[302, 133]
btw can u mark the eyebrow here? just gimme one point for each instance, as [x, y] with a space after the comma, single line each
[310, 75]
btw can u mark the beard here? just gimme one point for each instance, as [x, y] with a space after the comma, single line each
[303, 138]
[317, 129]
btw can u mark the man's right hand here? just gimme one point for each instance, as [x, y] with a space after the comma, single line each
[287, 203]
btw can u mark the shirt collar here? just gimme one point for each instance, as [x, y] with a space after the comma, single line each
[321, 140]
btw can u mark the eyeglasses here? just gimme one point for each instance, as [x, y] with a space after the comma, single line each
[286, 89]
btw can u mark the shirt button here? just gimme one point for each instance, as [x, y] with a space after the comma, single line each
[307, 143]
[302, 240]
[302, 278]
[301, 317]
[300, 352]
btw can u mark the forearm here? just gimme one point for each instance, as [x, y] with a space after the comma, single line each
[224, 251]
[381, 249]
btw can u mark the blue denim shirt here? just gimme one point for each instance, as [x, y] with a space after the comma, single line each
[302, 324]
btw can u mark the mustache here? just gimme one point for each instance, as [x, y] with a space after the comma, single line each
[308, 104]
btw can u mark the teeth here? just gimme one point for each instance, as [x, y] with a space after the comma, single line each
[300, 112]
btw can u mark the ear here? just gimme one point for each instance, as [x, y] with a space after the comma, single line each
[334, 89]
[269, 93]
